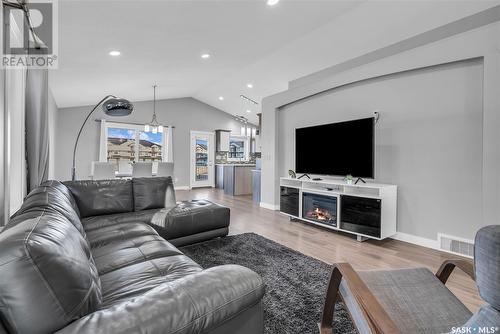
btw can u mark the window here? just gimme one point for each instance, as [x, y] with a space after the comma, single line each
[150, 146]
[128, 143]
[201, 172]
[121, 147]
[238, 148]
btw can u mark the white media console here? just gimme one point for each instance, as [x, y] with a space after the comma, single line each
[368, 210]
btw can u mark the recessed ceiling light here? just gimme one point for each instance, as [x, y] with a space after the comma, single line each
[272, 2]
[221, 98]
[205, 56]
[249, 111]
[114, 53]
[249, 85]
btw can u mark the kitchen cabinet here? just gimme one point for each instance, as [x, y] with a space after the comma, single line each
[219, 176]
[222, 140]
[237, 179]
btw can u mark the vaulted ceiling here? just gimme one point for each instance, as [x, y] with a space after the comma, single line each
[248, 42]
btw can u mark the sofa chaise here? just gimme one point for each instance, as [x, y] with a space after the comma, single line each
[82, 257]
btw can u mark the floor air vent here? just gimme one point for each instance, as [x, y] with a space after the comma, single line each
[456, 245]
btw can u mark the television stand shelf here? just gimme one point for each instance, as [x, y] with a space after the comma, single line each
[367, 210]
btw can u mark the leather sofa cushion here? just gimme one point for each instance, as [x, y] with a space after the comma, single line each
[52, 196]
[104, 197]
[117, 233]
[136, 279]
[92, 223]
[189, 218]
[123, 254]
[153, 193]
[194, 303]
[48, 276]
[61, 188]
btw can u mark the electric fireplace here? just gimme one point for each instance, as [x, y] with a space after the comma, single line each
[319, 208]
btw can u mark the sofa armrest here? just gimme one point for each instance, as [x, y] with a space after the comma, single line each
[378, 319]
[447, 267]
[192, 304]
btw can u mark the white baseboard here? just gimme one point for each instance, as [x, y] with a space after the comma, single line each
[182, 187]
[416, 240]
[269, 206]
[424, 242]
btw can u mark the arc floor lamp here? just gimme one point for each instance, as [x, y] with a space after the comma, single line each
[112, 106]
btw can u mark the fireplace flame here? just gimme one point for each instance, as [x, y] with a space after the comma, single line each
[320, 214]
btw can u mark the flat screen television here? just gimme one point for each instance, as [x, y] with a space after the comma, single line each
[337, 149]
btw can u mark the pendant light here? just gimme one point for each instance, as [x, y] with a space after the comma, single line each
[154, 126]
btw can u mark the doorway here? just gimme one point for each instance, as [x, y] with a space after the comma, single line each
[202, 159]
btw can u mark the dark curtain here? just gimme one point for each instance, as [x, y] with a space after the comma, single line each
[37, 128]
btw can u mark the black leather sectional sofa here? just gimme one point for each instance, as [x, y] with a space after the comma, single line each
[83, 257]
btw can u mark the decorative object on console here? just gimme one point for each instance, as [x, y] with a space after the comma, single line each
[292, 174]
[349, 179]
[154, 126]
[112, 106]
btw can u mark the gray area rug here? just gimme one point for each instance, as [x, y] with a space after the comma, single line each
[295, 283]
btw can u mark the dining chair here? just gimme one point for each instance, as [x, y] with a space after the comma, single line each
[142, 169]
[102, 170]
[165, 169]
[125, 167]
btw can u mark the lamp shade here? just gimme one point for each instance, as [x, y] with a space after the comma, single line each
[117, 107]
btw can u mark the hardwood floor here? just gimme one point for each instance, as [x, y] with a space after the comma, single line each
[330, 246]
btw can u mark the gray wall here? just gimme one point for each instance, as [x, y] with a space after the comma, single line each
[185, 114]
[429, 141]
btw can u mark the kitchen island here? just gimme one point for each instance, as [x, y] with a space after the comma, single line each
[235, 179]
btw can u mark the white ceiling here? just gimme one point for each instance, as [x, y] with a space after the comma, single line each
[161, 42]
